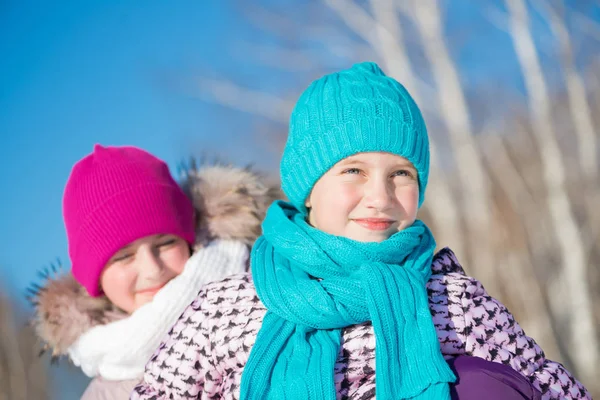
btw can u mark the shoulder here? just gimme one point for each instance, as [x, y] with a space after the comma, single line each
[102, 389]
[448, 278]
[445, 261]
[462, 298]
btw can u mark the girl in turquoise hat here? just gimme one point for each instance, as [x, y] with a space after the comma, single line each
[347, 297]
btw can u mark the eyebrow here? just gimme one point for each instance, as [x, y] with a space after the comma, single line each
[350, 161]
[406, 164]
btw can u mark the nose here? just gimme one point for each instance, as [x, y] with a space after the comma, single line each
[378, 194]
[151, 265]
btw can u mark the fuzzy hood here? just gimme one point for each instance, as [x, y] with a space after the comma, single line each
[230, 203]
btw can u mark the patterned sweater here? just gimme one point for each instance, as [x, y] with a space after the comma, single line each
[206, 350]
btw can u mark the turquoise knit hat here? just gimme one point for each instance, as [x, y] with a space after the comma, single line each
[352, 111]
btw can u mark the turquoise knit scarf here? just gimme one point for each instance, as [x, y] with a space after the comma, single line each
[314, 284]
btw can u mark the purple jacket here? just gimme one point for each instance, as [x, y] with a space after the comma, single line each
[206, 351]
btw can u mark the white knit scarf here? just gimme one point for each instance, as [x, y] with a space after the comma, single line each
[119, 350]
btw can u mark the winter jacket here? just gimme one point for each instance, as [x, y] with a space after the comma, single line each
[230, 204]
[205, 352]
[102, 389]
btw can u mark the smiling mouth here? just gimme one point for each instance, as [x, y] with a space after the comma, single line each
[375, 224]
[151, 290]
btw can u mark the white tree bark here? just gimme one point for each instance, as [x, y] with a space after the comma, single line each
[455, 115]
[569, 295]
[578, 103]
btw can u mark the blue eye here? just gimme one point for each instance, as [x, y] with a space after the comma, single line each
[352, 171]
[404, 172]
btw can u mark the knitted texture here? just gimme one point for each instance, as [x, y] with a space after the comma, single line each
[114, 196]
[348, 112]
[314, 284]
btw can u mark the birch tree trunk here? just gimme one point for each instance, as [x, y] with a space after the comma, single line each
[454, 113]
[568, 292]
[578, 103]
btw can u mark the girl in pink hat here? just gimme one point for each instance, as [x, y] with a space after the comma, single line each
[140, 249]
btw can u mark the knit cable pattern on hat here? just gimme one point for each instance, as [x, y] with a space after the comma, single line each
[348, 112]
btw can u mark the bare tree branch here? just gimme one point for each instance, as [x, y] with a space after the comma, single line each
[227, 93]
[588, 25]
[455, 115]
[580, 109]
[496, 17]
[376, 34]
[338, 43]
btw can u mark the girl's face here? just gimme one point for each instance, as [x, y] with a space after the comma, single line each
[366, 197]
[139, 270]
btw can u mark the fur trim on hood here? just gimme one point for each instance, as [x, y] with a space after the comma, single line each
[230, 203]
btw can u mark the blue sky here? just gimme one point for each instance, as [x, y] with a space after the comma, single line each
[78, 73]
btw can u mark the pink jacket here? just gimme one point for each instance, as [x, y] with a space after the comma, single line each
[206, 351]
[102, 389]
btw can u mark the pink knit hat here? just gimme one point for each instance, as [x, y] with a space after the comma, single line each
[114, 196]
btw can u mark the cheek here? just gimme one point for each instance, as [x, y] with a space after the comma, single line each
[332, 207]
[347, 198]
[118, 286]
[408, 197]
[176, 259]
[115, 280]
